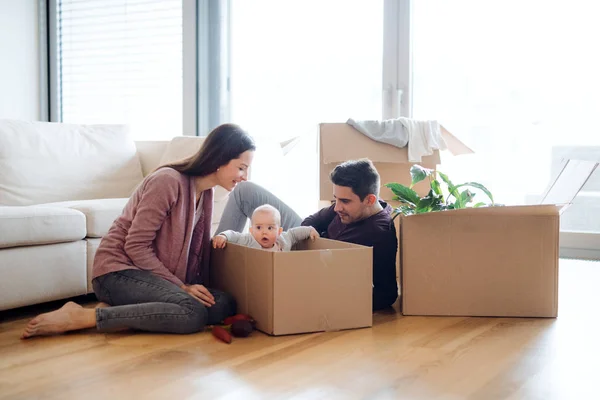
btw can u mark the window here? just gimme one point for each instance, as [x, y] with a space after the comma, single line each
[519, 83]
[295, 65]
[119, 61]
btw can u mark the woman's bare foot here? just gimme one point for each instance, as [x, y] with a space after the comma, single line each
[69, 317]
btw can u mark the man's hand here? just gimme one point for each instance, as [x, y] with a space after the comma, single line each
[200, 293]
[314, 234]
[219, 241]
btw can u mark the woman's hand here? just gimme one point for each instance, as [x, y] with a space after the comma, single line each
[200, 293]
[219, 241]
[314, 234]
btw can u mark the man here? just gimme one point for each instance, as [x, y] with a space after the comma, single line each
[357, 216]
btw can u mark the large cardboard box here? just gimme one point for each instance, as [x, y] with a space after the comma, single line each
[339, 142]
[496, 261]
[319, 286]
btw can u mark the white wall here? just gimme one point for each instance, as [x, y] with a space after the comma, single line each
[19, 60]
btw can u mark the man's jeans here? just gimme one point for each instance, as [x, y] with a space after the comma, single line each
[242, 202]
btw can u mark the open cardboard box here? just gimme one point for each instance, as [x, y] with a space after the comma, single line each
[319, 286]
[339, 142]
[495, 261]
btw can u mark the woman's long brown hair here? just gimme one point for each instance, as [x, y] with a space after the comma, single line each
[223, 144]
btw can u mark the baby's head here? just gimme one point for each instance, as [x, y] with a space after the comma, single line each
[266, 225]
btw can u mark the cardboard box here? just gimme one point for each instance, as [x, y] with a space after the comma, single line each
[496, 261]
[339, 142]
[319, 286]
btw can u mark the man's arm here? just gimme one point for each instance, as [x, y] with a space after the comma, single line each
[321, 219]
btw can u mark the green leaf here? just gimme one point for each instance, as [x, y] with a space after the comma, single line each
[405, 194]
[447, 180]
[404, 210]
[464, 198]
[419, 173]
[451, 187]
[480, 204]
[478, 186]
[435, 185]
[431, 202]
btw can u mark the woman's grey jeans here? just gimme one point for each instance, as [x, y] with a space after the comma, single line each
[143, 301]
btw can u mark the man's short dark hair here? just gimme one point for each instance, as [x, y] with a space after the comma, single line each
[359, 175]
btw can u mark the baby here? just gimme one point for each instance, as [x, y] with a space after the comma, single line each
[266, 232]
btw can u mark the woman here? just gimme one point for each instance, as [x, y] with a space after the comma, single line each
[150, 267]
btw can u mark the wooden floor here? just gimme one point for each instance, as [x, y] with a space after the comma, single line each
[399, 358]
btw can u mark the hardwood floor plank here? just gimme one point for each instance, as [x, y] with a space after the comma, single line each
[399, 357]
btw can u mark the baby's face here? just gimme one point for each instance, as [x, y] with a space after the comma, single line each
[265, 230]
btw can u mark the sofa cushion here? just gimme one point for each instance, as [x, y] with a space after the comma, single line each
[43, 162]
[181, 147]
[99, 214]
[36, 274]
[33, 225]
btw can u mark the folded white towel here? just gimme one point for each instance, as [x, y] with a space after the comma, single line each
[422, 137]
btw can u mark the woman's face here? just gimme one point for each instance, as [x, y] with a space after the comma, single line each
[235, 171]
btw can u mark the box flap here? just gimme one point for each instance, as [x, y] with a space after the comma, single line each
[246, 274]
[259, 286]
[569, 181]
[542, 209]
[325, 244]
[455, 146]
[341, 142]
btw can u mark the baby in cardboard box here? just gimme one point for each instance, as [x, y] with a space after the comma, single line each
[266, 232]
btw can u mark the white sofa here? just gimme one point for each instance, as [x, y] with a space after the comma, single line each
[61, 187]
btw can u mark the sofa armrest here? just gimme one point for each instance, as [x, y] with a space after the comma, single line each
[150, 153]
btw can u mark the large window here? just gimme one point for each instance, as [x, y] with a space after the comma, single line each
[119, 61]
[295, 65]
[518, 81]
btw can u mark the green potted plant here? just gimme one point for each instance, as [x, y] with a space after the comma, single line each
[453, 197]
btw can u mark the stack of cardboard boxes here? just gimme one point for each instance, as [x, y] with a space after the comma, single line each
[496, 261]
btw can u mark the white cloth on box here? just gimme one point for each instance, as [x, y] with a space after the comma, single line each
[421, 137]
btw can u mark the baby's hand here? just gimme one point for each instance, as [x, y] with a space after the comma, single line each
[314, 234]
[219, 242]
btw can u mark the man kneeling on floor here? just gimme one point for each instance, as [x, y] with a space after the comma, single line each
[358, 216]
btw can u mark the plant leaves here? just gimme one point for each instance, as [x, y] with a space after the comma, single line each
[463, 198]
[431, 202]
[404, 210]
[480, 204]
[404, 194]
[451, 188]
[435, 185]
[447, 180]
[419, 173]
[478, 186]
